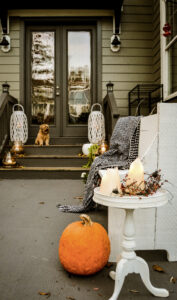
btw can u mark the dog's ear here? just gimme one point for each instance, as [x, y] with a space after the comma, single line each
[41, 126]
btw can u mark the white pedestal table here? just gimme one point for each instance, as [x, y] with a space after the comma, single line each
[129, 261]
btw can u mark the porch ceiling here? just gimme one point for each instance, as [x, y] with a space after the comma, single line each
[116, 8]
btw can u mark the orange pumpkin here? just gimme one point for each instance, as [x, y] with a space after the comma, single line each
[84, 247]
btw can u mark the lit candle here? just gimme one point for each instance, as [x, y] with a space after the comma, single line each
[19, 125]
[106, 186]
[110, 181]
[135, 178]
[103, 148]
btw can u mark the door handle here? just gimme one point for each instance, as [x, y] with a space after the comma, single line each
[57, 90]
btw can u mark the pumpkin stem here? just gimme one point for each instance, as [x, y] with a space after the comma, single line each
[86, 220]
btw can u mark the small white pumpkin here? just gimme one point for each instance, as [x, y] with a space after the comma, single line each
[85, 148]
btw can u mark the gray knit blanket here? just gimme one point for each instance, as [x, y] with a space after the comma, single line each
[123, 150]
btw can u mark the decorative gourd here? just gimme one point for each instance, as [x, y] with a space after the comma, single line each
[84, 247]
[85, 148]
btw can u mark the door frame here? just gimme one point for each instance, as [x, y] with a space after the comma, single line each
[25, 22]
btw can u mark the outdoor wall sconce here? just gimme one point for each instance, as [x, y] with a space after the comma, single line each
[115, 42]
[115, 38]
[110, 86]
[4, 22]
[5, 43]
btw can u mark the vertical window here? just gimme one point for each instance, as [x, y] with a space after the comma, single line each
[171, 46]
[171, 16]
[42, 77]
[79, 76]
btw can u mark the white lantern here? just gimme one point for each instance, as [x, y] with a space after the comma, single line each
[18, 125]
[96, 126]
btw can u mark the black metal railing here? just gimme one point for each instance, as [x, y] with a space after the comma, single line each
[6, 103]
[110, 110]
[144, 96]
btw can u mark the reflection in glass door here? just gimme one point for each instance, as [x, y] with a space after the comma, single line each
[42, 77]
[79, 76]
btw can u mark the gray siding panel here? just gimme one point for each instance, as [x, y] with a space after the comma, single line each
[10, 62]
[115, 60]
[131, 35]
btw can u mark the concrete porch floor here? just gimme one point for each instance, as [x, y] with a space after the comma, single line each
[30, 228]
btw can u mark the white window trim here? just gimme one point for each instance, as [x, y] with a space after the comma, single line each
[164, 54]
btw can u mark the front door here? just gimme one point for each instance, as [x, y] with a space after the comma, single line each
[60, 78]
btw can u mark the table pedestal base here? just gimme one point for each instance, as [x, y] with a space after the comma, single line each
[130, 263]
[137, 265]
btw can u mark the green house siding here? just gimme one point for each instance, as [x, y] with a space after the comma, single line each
[10, 62]
[138, 60]
[133, 64]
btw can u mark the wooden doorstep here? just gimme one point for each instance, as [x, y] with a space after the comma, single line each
[50, 146]
[53, 146]
[52, 156]
[46, 169]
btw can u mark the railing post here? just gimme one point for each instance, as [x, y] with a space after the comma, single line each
[110, 110]
[110, 87]
[5, 87]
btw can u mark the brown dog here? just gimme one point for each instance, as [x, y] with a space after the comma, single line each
[43, 136]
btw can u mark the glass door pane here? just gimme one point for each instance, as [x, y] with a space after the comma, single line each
[79, 76]
[43, 77]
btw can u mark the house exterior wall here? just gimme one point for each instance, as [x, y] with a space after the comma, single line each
[137, 62]
[156, 42]
[132, 65]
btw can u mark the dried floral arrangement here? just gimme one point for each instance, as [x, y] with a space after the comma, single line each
[153, 182]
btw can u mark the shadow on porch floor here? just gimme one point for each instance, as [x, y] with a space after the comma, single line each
[30, 228]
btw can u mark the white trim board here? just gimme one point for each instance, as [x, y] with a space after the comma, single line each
[61, 13]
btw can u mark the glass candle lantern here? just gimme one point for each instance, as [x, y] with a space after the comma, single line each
[18, 125]
[17, 148]
[103, 147]
[96, 125]
[9, 160]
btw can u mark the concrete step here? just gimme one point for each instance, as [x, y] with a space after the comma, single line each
[42, 173]
[70, 149]
[52, 161]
